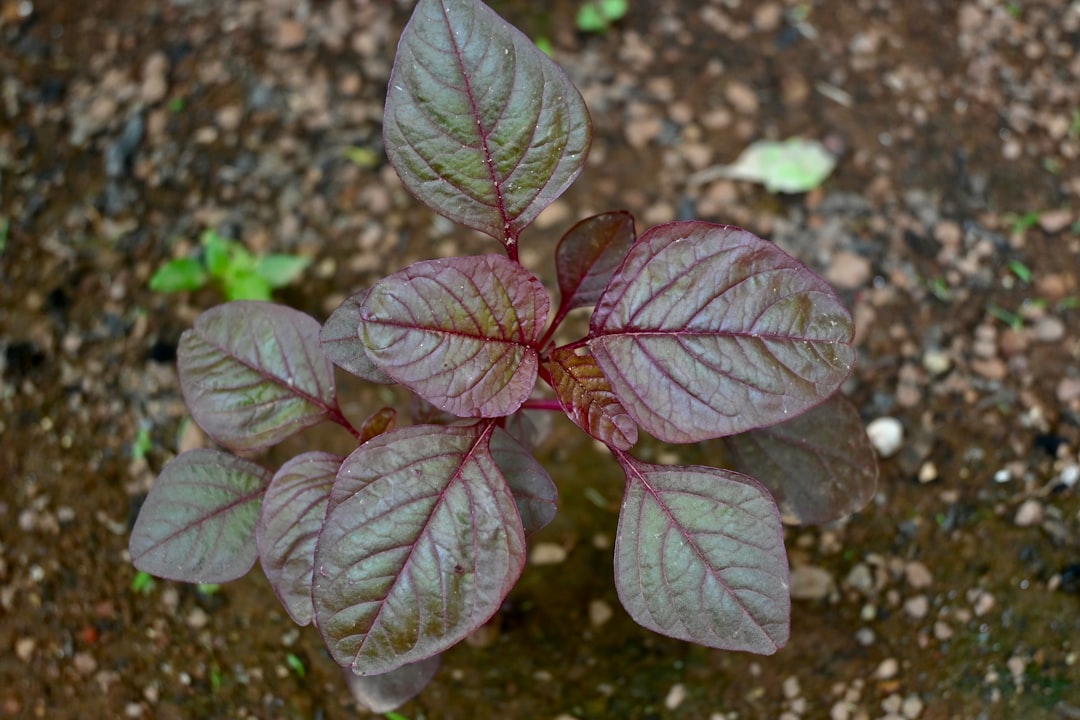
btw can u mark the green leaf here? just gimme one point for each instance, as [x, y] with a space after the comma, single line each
[179, 275]
[459, 332]
[219, 252]
[198, 522]
[708, 330]
[245, 286]
[791, 166]
[590, 19]
[480, 124]
[280, 270]
[292, 515]
[819, 466]
[421, 543]
[253, 373]
[362, 157]
[699, 556]
[614, 10]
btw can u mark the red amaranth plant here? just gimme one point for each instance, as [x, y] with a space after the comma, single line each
[405, 547]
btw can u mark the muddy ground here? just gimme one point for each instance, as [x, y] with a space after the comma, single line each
[951, 227]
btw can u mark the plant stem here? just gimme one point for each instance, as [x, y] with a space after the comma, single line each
[337, 416]
[542, 404]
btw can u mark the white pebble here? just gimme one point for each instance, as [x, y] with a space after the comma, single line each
[547, 554]
[1029, 513]
[887, 669]
[675, 696]
[886, 435]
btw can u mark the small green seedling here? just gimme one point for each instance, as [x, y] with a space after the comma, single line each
[1008, 317]
[597, 16]
[5, 226]
[142, 444]
[1021, 271]
[362, 157]
[142, 583]
[1021, 223]
[296, 665]
[241, 274]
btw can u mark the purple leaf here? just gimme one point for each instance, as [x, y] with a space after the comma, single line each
[292, 514]
[587, 399]
[383, 693]
[700, 557]
[536, 496]
[252, 374]
[589, 254]
[421, 543]
[198, 522]
[819, 466]
[480, 125]
[340, 340]
[708, 330]
[459, 332]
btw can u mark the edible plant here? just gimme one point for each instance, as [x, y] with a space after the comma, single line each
[599, 15]
[411, 542]
[241, 274]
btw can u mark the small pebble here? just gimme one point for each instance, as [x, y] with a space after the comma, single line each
[809, 582]
[1053, 221]
[917, 607]
[1029, 513]
[675, 696]
[886, 435]
[917, 575]
[1049, 329]
[865, 636]
[547, 553]
[84, 663]
[24, 648]
[936, 362]
[197, 619]
[791, 687]
[888, 669]
[912, 707]
[599, 612]
[928, 473]
[942, 631]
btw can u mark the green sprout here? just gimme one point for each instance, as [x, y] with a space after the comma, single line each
[394, 716]
[142, 444]
[362, 157]
[939, 288]
[239, 273]
[545, 46]
[1008, 317]
[598, 15]
[1074, 126]
[1020, 223]
[215, 679]
[5, 226]
[142, 583]
[1021, 271]
[207, 588]
[296, 665]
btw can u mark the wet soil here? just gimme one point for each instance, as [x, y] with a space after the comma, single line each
[950, 227]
